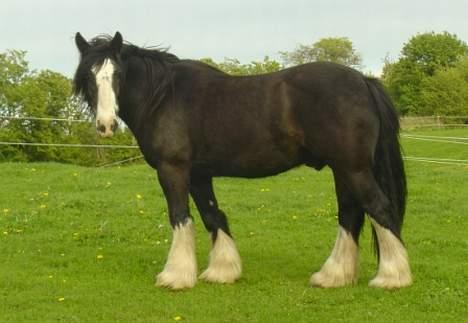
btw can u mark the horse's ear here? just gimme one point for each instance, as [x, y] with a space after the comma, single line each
[117, 42]
[81, 43]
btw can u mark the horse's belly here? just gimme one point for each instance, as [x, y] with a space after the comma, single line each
[251, 165]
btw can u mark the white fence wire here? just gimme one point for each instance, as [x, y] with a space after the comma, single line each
[43, 119]
[67, 145]
[422, 138]
[445, 161]
[435, 139]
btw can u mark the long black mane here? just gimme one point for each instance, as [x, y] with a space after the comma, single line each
[156, 63]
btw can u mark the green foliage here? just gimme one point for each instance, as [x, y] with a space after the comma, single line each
[13, 68]
[420, 58]
[446, 92]
[333, 49]
[431, 51]
[233, 66]
[47, 94]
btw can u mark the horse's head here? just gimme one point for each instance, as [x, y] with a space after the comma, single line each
[97, 79]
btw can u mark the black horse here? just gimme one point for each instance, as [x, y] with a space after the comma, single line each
[194, 122]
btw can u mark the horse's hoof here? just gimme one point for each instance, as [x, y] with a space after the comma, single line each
[388, 282]
[223, 275]
[176, 280]
[225, 263]
[327, 280]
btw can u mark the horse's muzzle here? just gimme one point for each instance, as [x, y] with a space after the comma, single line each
[106, 129]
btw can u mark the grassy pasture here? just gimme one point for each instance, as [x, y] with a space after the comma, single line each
[84, 244]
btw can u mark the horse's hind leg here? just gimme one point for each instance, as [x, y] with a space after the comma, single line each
[225, 263]
[394, 270]
[341, 267]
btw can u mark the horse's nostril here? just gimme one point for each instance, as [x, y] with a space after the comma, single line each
[114, 126]
[101, 128]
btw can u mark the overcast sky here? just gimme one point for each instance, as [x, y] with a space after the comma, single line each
[243, 29]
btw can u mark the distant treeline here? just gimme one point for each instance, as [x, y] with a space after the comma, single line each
[430, 77]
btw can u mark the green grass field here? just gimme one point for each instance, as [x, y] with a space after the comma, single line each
[84, 244]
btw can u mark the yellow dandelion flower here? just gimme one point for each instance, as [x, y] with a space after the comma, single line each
[177, 318]
[294, 217]
[45, 193]
[99, 256]
[139, 197]
[141, 212]
[5, 232]
[6, 210]
[61, 299]
[42, 206]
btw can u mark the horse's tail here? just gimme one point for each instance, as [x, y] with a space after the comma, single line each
[388, 165]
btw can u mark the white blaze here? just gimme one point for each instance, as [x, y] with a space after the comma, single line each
[106, 100]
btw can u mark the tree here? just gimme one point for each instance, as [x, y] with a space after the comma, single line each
[446, 92]
[430, 51]
[26, 95]
[46, 94]
[333, 49]
[13, 70]
[421, 57]
[234, 67]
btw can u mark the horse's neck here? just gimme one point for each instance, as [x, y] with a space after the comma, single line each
[130, 114]
[134, 102]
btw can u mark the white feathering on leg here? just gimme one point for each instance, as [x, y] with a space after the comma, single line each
[225, 263]
[180, 270]
[341, 267]
[394, 270]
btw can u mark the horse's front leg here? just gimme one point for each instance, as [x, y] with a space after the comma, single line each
[225, 263]
[180, 270]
